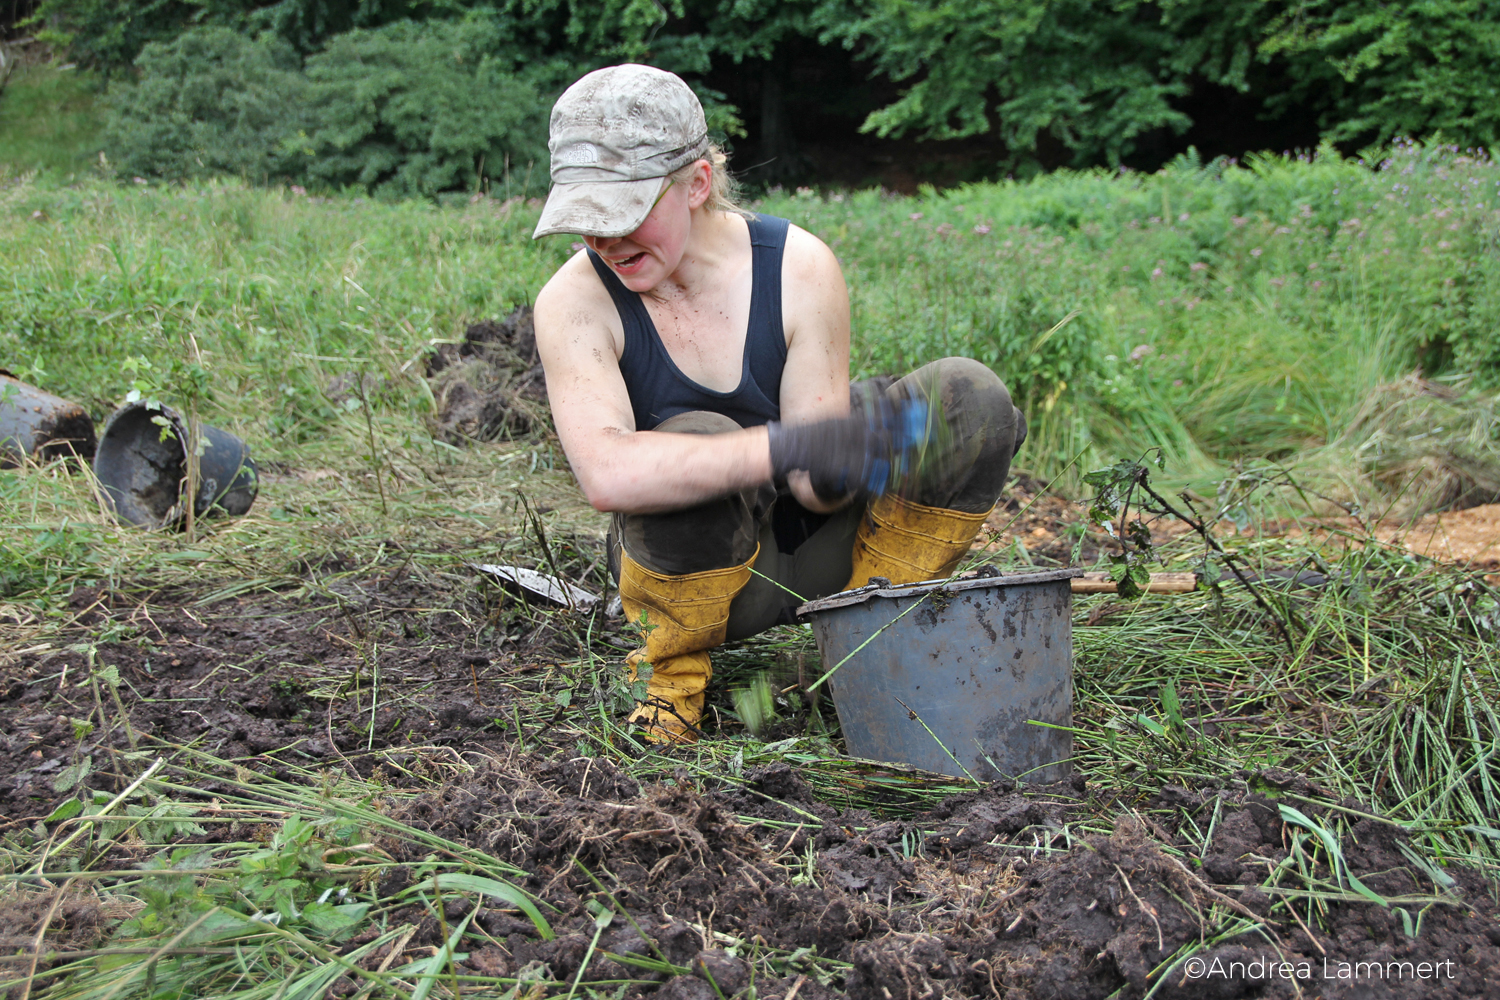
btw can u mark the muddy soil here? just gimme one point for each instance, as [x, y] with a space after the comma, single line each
[490, 385]
[999, 892]
[994, 893]
[363, 666]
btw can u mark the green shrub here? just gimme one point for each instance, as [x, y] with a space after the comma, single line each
[407, 109]
[417, 108]
[210, 102]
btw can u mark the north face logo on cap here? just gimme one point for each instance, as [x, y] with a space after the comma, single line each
[581, 155]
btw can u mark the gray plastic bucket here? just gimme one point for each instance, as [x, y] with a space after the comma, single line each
[37, 424]
[974, 660]
[144, 473]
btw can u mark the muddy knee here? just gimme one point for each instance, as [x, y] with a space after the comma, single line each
[710, 535]
[982, 426]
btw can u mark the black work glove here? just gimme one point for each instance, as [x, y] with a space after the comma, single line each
[869, 452]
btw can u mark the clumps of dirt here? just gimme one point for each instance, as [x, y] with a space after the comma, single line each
[1048, 914]
[680, 864]
[547, 816]
[1004, 900]
[490, 386]
[272, 680]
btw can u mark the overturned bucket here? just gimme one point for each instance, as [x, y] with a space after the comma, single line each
[144, 471]
[36, 424]
[949, 675]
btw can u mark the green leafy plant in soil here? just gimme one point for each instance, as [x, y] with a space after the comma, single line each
[269, 917]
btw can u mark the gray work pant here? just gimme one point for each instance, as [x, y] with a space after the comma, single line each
[804, 556]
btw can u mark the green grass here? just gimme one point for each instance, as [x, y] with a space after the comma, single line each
[50, 119]
[1387, 692]
[1218, 312]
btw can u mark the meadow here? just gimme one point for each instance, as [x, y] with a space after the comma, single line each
[1221, 312]
[407, 781]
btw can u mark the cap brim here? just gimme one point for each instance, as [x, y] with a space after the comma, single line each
[598, 208]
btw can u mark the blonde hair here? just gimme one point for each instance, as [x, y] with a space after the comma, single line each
[723, 189]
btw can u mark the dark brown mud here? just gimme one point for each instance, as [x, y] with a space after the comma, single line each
[1059, 892]
[491, 384]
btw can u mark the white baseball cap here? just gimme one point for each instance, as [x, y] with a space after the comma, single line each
[613, 136]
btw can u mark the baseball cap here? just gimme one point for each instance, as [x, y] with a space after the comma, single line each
[613, 136]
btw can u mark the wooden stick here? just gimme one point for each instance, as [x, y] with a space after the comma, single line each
[1161, 583]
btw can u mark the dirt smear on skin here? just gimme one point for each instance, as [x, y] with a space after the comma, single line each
[1000, 892]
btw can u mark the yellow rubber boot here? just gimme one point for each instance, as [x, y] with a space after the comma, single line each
[686, 616]
[907, 543]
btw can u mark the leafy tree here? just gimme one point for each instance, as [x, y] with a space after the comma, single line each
[1096, 75]
[111, 34]
[1379, 70]
[1083, 81]
[406, 108]
[1093, 75]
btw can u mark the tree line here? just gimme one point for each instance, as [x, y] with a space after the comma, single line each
[416, 97]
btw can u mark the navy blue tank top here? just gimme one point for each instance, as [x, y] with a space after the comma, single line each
[658, 388]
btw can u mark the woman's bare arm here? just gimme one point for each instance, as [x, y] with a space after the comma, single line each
[618, 467]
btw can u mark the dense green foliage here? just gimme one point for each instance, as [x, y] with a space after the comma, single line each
[1218, 311]
[1381, 69]
[1071, 81]
[418, 108]
[1097, 74]
[406, 109]
[49, 118]
[214, 102]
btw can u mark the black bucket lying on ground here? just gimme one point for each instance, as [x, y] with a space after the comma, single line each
[38, 425]
[954, 676]
[144, 471]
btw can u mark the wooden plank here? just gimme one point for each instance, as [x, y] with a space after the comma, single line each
[1161, 583]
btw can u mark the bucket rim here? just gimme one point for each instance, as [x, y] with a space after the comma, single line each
[972, 581]
[124, 410]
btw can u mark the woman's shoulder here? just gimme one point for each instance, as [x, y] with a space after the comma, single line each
[806, 251]
[573, 288]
